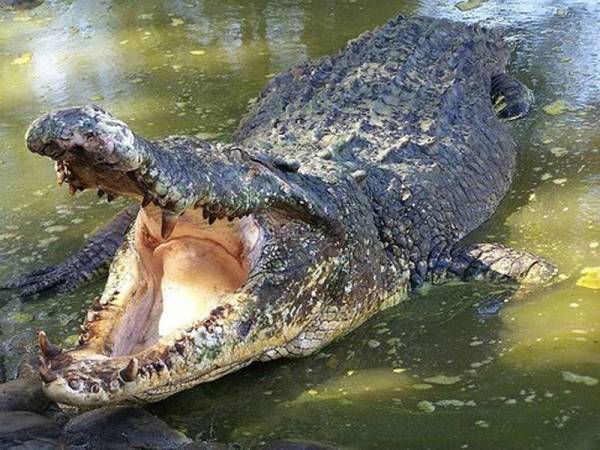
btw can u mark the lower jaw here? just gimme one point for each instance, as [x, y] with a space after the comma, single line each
[179, 290]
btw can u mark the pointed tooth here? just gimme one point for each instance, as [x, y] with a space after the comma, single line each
[47, 348]
[147, 200]
[211, 219]
[101, 193]
[205, 213]
[169, 221]
[129, 373]
[60, 172]
[60, 177]
[46, 373]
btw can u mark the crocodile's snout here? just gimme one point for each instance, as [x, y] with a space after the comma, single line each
[86, 132]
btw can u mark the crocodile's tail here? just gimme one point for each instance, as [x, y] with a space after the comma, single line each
[511, 98]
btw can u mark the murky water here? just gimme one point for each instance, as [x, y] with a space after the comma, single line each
[458, 366]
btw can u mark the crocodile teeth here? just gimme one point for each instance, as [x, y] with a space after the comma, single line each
[47, 348]
[130, 371]
[169, 221]
[46, 374]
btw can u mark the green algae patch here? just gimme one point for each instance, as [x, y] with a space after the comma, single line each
[71, 341]
[555, 108]
[582, 379]
[468, 5]
[590, 278]
[21, 317]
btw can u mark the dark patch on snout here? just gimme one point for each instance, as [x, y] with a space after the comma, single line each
[244, 327]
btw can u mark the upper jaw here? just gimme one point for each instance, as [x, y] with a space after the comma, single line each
[92, 149]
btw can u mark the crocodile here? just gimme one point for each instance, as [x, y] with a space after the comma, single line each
[352, 180]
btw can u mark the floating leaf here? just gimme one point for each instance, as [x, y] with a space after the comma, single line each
[176, 22]
[555, 108]
[25, 58]
[443, 379]
[96, 98]
[575, 378]
[468, 5]
[558, 151]
[590, 278]
[197, 52]
[561, 12]
[426, 406]
[373, 343]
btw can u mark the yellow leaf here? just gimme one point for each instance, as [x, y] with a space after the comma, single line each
[590, 278]
[555, 108]
[468, 5]
[197, 52]
[176, 22]
[25, 58]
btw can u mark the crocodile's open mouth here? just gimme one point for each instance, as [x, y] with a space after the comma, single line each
[178, 281]
[162, 289]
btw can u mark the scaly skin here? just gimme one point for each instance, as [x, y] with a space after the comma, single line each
[377, 161]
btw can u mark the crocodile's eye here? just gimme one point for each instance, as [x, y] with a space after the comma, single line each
[74, 384]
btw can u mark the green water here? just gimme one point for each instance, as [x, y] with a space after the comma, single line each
[506, 374]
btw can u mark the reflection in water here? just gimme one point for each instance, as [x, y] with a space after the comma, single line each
[459, 365]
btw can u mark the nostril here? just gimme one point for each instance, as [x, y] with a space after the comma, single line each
[95, 388]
